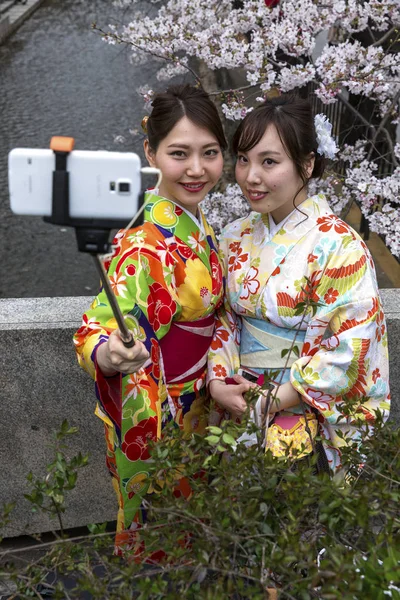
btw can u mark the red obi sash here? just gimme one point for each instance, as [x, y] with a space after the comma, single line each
[185, 348]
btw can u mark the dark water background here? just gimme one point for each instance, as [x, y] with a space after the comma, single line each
[57, 77]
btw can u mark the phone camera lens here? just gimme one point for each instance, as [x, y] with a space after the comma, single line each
[124, 187]
[112, 186]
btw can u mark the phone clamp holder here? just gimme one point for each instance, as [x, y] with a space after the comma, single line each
[93, 235]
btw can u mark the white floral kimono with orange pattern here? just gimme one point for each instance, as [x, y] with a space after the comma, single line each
[268, 267]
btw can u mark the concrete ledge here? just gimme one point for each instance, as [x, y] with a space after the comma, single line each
[4, 28]
[14, 14]
[41, 385]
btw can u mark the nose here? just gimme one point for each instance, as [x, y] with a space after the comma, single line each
[195, 167]
[253, 174]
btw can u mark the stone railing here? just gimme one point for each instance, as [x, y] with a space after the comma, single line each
[41, 385]
[13, 14]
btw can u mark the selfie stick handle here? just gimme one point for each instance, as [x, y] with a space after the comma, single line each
[126, 335]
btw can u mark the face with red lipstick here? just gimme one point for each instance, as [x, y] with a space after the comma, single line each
[191, 162]
[269, 178]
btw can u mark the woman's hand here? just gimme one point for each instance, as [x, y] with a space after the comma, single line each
[283, 397]
[230, 397]
[113, 357]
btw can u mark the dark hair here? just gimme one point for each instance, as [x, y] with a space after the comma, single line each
[294, 122]
[183, 101]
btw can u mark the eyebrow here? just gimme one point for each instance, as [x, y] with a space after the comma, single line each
[187, 147]
[269, 153]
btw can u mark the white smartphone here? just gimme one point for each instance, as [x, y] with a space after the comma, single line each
[102, 185]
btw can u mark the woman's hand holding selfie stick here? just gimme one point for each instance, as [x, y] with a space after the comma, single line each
[121, 353]
[114, 357]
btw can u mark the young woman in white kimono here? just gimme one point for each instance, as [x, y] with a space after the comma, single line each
[289, 248]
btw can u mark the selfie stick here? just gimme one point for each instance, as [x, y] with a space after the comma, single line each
[92, 234]
[126, 335]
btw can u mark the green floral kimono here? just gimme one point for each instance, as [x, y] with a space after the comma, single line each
[167, 278]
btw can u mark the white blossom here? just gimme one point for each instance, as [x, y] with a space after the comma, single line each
[326, 144]
[274, 48]
[222, 208]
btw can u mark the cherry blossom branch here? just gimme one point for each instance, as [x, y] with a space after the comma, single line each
[381, 127]
[232, 90]
[172, 60]
[385, 37]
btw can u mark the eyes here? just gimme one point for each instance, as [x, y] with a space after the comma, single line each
[267, 162]
[182, 154]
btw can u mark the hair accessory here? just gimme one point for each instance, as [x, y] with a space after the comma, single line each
[326, 144]
[144, 123]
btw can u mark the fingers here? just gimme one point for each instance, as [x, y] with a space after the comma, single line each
[249, 385]
[229, 397]
[138, 351]
[126, 360]
[243, 388]
[238, 409]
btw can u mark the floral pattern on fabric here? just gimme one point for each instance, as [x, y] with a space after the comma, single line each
[317, 253]
[165, 272]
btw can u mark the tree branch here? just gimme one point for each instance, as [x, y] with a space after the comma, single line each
[382, 126]
[152, 53]
[384, 37]
[356, 112]
[233, 90]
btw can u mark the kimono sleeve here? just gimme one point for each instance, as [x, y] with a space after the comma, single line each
[347, 341]
[149, 306]
[223, 358]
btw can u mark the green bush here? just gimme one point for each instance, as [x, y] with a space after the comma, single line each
[253, 522]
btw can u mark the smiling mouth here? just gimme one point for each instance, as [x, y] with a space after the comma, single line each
[193, 187]
[256, 195]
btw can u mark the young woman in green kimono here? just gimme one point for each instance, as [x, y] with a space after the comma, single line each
[167, 278]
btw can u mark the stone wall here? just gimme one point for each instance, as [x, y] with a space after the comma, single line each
[41, 385]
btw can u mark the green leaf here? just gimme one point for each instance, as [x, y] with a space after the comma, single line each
[97, 527]
[72, 477]
[214, 430]
[229, 439]
[207, 460]
[212, 439]
[266, 529]
[58, 498]
[72, 430]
